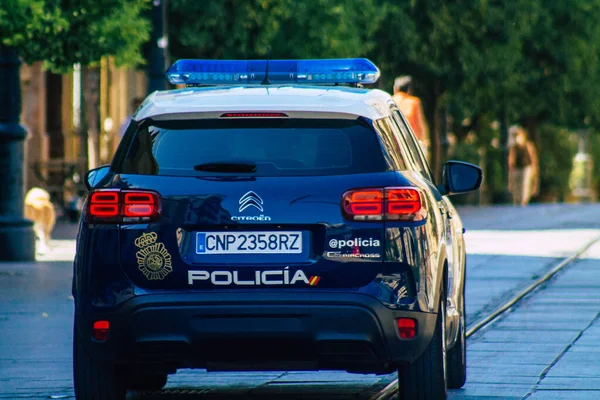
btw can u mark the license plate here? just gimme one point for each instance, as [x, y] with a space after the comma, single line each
[248, 242]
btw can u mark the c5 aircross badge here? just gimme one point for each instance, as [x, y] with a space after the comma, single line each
[154, 261]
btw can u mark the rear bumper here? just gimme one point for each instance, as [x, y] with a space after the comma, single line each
[240, 331]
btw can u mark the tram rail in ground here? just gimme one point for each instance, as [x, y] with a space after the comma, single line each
[390, 391]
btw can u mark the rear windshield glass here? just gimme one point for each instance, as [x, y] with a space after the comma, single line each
[277, 147]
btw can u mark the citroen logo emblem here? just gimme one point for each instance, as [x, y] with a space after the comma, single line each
[251, 199]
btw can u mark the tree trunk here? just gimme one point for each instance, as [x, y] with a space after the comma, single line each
[79, 121]
[91, 96]
[505, 195]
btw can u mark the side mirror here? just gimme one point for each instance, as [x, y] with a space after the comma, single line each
[461, 177]
[93, 176]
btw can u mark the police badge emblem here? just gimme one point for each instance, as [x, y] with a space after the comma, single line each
[154, 261]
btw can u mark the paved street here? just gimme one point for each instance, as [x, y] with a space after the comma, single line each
[545, 348]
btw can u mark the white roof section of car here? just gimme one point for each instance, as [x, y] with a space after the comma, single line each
[215, 100]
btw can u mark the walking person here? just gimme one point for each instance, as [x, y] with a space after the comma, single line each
[412, 109]
[523, 168]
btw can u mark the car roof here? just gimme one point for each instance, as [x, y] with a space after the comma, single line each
[316, 100]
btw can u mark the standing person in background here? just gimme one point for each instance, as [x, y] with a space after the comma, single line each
[135, 104]
[412, 109]
[523, 167]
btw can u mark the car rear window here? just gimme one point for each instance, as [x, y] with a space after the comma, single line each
[278, 147]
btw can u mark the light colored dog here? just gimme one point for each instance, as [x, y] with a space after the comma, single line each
[41, 211]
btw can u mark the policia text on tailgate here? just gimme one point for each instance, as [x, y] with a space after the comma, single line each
[293, 225]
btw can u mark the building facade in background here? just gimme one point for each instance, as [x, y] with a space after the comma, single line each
[51, 115]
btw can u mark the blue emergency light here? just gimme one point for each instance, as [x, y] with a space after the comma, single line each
[350, 71]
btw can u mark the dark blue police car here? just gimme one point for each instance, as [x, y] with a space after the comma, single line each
[280, 222]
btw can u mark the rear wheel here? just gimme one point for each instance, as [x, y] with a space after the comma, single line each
[95, 380]
[457, 355]
[425, 378]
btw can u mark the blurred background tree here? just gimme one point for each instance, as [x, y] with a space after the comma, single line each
[97, 29]
[29, 25]
[68, 33]
[560, 63]
[479, 66]
[524, 61]
[462, 55]
[230, 29]
[557, 148]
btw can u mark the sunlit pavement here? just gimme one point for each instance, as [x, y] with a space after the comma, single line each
[545, 346]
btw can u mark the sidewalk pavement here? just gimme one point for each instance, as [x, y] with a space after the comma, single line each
[547, 347]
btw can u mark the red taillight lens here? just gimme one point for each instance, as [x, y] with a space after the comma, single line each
[386, 203]
[255, 115]
[403, 201]
[131, 206]
[140, 204]
[407, 328]
[100, 331]
[364, 202]
[104, 204]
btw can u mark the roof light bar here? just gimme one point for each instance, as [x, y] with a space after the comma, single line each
[228, 72]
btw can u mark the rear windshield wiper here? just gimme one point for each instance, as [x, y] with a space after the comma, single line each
[226, 167]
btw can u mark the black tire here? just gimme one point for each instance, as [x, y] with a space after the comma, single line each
[94, 380]
[147, 383]
[456, 358]
[425, 378]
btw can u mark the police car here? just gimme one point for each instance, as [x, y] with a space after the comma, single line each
[272, 215]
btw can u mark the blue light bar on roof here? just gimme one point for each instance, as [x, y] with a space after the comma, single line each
[228, 72]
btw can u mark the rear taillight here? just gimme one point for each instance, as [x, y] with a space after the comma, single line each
[100, 331]
[128, 206]
[407, 328]
[104, 204]
[377, 204]
[141, 204]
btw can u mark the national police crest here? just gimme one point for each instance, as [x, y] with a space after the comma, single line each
[154, 261]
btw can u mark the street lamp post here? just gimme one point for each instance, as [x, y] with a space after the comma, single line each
[17, 239]
[158, 49]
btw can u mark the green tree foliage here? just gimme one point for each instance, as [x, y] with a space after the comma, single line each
[556, 152]
[222, 29]
[490, 62]
[560, 65]
[327, 28]
[102, 28]
[463, 55]
[66, 32]
[242, 29]
[534, 61]
[537, 58]
[28, 25]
